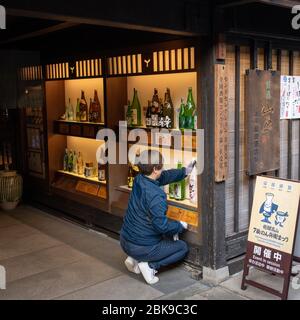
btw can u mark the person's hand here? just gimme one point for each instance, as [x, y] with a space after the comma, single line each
[176, 237]
[184, 224]
[190, 167]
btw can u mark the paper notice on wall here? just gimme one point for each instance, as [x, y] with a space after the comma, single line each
[290, 97]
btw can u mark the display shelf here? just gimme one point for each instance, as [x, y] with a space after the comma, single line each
[77, 129]
[164, 139]
[80, 190]
[185, 204]
[83, 198]
[71, 174]
[170, 130]
[82, 122]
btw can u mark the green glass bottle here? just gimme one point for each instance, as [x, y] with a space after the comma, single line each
[129, 114]
[171, 190]
[136, 110]
[74, 165]
[190, 111]
[66, 160]
[182, 115]
[179, 187]
[70, 161]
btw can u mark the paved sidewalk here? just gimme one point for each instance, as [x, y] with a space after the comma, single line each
[49, 258]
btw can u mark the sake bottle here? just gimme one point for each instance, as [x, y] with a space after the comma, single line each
[66, 159]
[97, 108]
[190, 111]
[74, 165]
[161, 117]
[179, 187]
[70, 111]
[101, 168]
[80, 164]
[130, 176]
[70, 161]
[193, 186]
[83, 108]
[171, 190]
[136, 110]
[168, 111]
[155, 105]
[78, 110]
[129, 114]
[182, 115]
[91, 112]
[148, 115]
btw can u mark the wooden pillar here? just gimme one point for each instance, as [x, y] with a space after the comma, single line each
[213, 195]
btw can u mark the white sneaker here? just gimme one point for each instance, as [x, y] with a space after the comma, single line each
[148, 273]
[132, 265]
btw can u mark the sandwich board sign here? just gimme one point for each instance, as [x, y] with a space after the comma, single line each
[272, 231]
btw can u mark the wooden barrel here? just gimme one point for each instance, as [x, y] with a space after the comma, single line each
[11, 185]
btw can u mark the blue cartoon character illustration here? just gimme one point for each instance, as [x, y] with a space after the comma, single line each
[268, 208]
[280, 218]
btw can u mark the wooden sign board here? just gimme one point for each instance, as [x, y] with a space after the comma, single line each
[179, 214]
[220, 47]
[221, 123]
[262, 116]
[272, 231]
[88, 188]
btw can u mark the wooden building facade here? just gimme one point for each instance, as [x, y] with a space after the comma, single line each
[199, 38]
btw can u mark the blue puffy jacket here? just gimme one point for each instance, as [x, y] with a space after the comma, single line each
[145, 221]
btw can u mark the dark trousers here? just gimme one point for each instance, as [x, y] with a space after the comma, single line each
[164, 253]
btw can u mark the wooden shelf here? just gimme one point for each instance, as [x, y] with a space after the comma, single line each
[77, 129]
[91, 179]
[166, 140]
[185, 204]
[82, 122]
[152, 128]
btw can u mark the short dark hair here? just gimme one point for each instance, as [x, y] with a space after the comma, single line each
[148, 160]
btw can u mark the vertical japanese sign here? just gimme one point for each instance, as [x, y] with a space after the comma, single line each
[290, 97]
[221, 123]
[273, 226]
[262, 116]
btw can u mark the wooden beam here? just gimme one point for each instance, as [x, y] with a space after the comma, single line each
[96, 22]
[55, 28]
[278, 3]
[236, 3]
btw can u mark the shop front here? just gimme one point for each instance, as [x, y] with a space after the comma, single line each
[79, 109]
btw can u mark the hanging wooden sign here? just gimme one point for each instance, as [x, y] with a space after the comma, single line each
[220, 47]
[221, 123]
[272, 231]
[262, 116]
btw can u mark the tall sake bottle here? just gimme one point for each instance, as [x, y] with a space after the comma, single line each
[83, 107]
[78, 110]
[179, 187]
[182, 115]
[97, 108]
[190, 111]
[168, 111]
[193, 186]
[136, 110]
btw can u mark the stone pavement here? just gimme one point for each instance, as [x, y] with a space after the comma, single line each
[50, 258]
